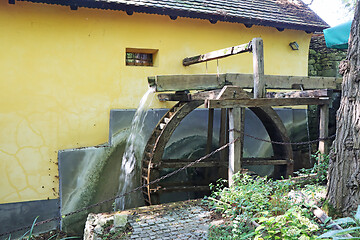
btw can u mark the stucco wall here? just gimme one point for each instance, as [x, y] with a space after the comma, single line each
[61, 72]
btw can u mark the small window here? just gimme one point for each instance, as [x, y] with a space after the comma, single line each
[140, 57]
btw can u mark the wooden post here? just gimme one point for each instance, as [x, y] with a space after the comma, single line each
[236, 121]
[222, 141]
[258, 66]
[210, 130]
[324, 128]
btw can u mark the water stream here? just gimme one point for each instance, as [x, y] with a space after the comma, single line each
[131, 159]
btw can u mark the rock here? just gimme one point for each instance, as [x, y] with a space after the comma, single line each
[120, 220]
[98, 229]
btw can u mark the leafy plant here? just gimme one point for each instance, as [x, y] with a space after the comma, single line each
[351, 226]
[249, 196]
[320, 167]
[293, 224]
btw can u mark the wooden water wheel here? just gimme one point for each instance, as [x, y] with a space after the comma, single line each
[153, 163]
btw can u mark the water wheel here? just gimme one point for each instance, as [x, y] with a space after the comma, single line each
[152, 161]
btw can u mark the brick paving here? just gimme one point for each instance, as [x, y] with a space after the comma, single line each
[180, 220]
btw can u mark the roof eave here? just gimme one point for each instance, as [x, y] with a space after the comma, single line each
[106, 5]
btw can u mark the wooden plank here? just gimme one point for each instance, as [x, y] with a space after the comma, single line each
[181, 189]
[164, 97]
[216, 54]
[190, 82]
[236, 121]
[205, 95]
[324, 129]
[166, 83]
[286, 82]
[260, 102]
[258, 67]
[210, 131]
[297, 94]
[229, 92]
[212, 94]
[222, 133]
[263, 161]
[181, 163]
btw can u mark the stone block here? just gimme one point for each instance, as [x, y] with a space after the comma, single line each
[120, 220]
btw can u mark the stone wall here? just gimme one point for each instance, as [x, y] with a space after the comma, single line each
[324, 61]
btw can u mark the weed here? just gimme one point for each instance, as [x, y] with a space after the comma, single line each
[351, 226]
[320, 167]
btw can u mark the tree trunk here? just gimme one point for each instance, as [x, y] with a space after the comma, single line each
[344, 169]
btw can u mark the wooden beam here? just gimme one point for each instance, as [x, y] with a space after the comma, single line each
[217, 54]
[181, 189]
[222, 133]
[210, 131]
[187, 82]
[286, 82]
[181, 163]
[166, 83]
[263, 161]
[297, 94]
[233, 103]
[236, 121]
[324, 129]
[229, 92]
[258, 67]
[185, 97]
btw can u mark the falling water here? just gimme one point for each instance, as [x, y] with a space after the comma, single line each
[134, 143]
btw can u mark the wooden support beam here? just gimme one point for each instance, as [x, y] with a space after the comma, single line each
[181, 189]
[190, 82]
[210, 131]
[263, 161]
[181, 163]
[236, 121]
[286, 82]
[165, 83]
[217, 54]
[229, 92]
[258, 67]
[233, 103]
[222, 133]
[324, 128]
[297, 94]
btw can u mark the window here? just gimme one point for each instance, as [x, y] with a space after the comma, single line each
[140, 57]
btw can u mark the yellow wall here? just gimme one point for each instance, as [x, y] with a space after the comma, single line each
[61, 72]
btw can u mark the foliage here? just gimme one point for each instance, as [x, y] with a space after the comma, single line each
[351, 226]
[292, 225]
[320, 167]
[238, 231]
[249, 196]
[262, 201]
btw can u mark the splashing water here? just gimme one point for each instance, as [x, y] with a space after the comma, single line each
[134, 143]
